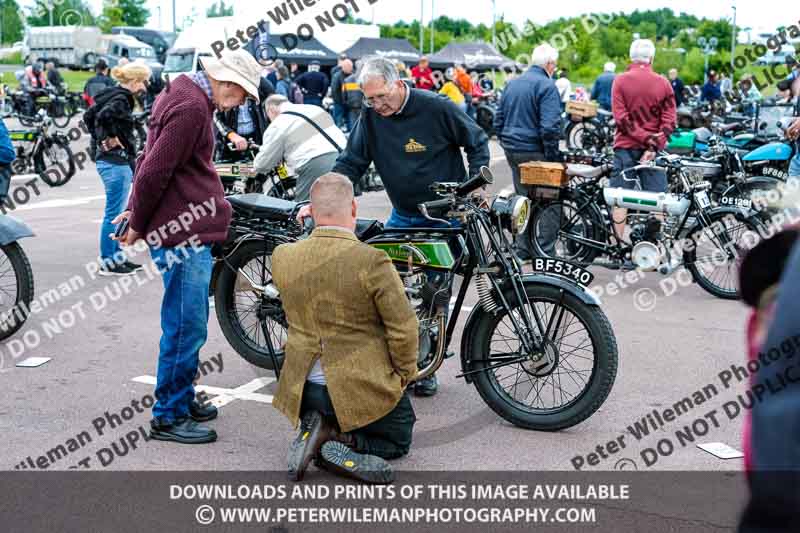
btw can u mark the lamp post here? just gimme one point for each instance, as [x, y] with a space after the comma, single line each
[421, 27]
[709, 48]
[174, 26]
[432, 26]
[494, 24]
[733, 47]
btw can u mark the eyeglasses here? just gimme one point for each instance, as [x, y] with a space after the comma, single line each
[379, 99]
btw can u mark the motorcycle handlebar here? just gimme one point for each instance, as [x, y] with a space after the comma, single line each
[434, 205]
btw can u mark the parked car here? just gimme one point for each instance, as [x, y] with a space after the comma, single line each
[161, 41]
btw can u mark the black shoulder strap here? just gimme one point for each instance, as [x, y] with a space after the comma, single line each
[317, 126]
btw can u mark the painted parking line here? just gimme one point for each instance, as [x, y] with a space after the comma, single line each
[51, 204]
[223, 396]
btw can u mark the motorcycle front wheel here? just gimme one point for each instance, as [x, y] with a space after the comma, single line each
[580, 352]
[55, 154]
[717, 249]
[16, 288]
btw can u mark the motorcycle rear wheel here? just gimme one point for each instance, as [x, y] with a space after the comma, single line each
[238, 308]
[592, 384]
[13, 317]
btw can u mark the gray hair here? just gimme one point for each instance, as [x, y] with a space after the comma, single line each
[544, 54]
[643, 51]
[609, 67]
[275, 100]
[331, 196]
[377, 67]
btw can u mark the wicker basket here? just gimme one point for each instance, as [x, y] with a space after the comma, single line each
[581, 109]
[542, 174]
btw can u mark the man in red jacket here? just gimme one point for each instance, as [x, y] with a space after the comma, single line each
[643, 104]
[423, 75]
[179, 208]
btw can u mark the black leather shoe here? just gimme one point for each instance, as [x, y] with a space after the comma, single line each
[184, 431]
[427, 387]
[314, 431]
[202, 412]
[337, 458]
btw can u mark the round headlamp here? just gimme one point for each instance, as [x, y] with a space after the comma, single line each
[514, 212]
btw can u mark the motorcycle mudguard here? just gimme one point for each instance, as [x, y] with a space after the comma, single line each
[579, 292]
[13, 229]
[729, 196]
[770, 152]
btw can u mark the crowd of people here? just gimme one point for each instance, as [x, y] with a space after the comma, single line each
[346, 386]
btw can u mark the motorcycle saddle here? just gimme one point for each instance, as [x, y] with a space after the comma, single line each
[584, 171]
[256, 205]
[368, 228]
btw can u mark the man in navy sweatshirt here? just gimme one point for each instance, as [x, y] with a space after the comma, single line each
[414, 137]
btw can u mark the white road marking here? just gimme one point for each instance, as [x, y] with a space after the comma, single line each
[226, 396]
[24, 177]
[50, 204]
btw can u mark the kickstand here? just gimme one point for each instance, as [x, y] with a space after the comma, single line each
[272, 355]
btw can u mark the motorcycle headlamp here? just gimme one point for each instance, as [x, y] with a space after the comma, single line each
[514, 212]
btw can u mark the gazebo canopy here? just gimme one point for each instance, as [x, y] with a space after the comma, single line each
[394, 49]
[474, 56]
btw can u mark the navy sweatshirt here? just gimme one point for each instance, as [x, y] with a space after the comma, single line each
[415, 148]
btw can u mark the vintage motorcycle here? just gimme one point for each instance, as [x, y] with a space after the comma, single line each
[43, 151]
[16, 276]
[578, 225]
[537, 346]
[592, 135]
[240, 177]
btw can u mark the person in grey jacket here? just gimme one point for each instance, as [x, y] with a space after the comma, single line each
[528, 124]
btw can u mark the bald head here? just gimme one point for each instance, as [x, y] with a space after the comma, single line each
[332, 201]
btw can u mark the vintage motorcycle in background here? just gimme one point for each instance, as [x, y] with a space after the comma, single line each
[537, 346]
[43, 151]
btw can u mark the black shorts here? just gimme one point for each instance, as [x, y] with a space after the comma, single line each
[651, 180]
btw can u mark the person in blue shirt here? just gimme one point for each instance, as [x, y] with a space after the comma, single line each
[711, 91]
[601, 91]
[7, 155]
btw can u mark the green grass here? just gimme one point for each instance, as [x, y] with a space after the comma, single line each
[75, 79]
[13, 59]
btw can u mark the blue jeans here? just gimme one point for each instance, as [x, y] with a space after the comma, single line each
[117, 182]
[398, 220]
[186, 272]
[339, 115]
[794, 166]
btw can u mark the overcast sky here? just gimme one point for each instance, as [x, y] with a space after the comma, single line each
[750, 13]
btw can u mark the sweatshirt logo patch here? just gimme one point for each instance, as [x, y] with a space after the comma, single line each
[414, 147]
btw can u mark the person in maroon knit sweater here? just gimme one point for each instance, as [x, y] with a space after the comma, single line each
[644, 110]
[179, 208]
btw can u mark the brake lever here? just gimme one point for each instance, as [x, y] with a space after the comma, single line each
[424, 211]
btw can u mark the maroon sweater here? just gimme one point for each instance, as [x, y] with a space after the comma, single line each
[176, 172]
[644, 104]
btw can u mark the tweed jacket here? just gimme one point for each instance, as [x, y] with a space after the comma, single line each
[345, 305]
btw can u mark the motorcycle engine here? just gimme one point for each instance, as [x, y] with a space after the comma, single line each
[429, 294]
[646, 237]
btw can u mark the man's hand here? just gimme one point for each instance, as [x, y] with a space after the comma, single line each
[110, 143]
[238, 141]
[304, 213]
[130, 237]
[648, 156]
[793, 131]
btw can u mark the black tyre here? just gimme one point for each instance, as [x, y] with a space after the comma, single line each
[556, 226]
[581, 356]
[241, 311]
[284, 189]
[54, 162]
[575, 134]
[65, 114]
[16, 288]
[716, 251]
